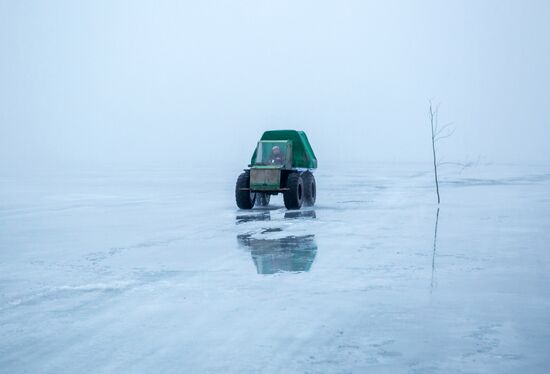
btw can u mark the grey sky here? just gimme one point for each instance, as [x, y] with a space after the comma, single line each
[173, 81]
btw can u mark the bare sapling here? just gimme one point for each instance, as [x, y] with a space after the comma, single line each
[437, 135]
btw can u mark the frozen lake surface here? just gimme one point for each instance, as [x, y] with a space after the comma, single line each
[155, 270]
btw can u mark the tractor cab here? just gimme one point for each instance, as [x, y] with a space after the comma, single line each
[274, 153]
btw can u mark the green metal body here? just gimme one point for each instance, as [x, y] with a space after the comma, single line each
[302, 153]
[268, 175]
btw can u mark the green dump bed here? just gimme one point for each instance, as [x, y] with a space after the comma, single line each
[302, 153]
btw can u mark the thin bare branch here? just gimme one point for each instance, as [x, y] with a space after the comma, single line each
[441, 137]
[446, 126]
[463, 165]
[452, 163]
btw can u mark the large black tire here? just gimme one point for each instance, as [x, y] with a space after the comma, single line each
[294, 196]
[310, 188]
[245, 199]
[262, 199]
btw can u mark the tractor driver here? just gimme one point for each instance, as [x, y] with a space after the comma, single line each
[276, 156]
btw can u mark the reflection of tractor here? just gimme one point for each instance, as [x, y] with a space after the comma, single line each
[282, 162]
[291, 253]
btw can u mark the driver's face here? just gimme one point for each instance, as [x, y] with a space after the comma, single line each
[276, 150]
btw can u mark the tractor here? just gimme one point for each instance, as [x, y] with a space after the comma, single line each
[282, 162]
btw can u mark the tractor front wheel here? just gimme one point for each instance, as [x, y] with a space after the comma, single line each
[244, 198]
[294, 196]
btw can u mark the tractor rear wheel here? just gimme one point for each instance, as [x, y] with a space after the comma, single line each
[262, 199]
[310, 188]
[294, 196]
[245, 199]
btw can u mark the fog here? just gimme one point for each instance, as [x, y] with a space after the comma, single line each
[185, 82]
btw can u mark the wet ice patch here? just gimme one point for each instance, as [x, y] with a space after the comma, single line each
[274, 240]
